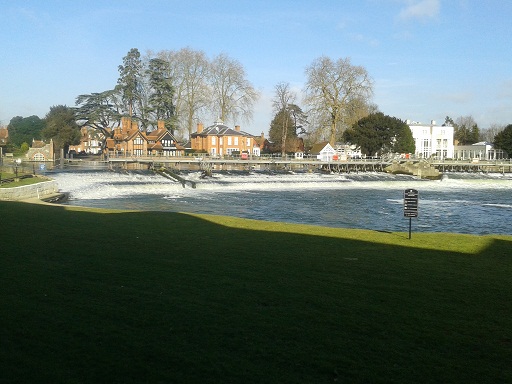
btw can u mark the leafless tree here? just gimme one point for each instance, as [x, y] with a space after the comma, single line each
[488, 134]
[282, 102]
[233, 96]
[189, 73]
[332, 89]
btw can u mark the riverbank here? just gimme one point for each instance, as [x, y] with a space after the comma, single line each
[46, 188]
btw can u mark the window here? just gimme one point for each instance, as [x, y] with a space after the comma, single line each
[248, 142]
[137, 141]
[38, 157]
[214, 141]
[229, 140]
[236, 140]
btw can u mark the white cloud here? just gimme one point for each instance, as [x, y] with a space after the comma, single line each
[422, 9]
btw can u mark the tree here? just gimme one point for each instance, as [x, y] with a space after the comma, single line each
[129, 82]
[377, 133]
[100, 111]
[161, 103]
[488, 134]
[465, 130]
[25, 129]
[283, 98]
[233, 95]
[191, 71]
[61, 127]
[503, 140]
[276, 132]
[331, 91]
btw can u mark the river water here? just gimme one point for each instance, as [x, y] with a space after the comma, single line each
[462, 203]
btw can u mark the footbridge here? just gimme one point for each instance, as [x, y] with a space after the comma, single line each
[208, 164]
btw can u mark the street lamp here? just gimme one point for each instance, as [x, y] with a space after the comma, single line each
[17, 162]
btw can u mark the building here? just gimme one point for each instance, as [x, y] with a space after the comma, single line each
[219, 140]
[432, 140]
[478, 151]
[323, 151]
[90, 141]
[4, 136]
[347, 151]
[41, 151]
[129, 140]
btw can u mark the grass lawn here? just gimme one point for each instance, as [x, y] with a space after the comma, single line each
[93, 296]
[20, 182]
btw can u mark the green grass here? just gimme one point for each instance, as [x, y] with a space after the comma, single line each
[142, 297]
[20, 182]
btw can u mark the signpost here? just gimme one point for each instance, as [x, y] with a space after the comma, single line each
[410, 205]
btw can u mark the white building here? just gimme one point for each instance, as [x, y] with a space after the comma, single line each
[323, 151]
[480, 151]
[432, 140]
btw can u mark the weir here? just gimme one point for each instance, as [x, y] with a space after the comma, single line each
[418, 167]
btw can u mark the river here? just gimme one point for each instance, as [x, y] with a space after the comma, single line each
[461, 203]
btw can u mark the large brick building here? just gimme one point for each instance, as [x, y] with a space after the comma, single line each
[219, 140]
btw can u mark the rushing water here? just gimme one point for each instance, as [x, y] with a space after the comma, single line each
[463, 203]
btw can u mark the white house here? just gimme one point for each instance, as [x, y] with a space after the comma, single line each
[432, 139]
[323, 151]
[347, 151]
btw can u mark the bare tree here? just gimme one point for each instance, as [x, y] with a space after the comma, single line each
[195, 95]
[488, 134]
[188, 70]
[281, 103]
[233, 96]
[331, 90]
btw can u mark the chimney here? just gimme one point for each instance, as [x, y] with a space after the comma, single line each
[125, 122]
[262, 136]
[237, 128]
[160, 124]
[199, 127]
[433, 122]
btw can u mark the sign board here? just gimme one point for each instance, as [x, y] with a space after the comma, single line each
[411, 203]
[42, 167]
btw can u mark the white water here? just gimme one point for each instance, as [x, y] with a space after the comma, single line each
[466, 203]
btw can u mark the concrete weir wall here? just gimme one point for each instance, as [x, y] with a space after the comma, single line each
[39, 190]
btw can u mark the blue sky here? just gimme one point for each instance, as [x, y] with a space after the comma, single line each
[428, 58]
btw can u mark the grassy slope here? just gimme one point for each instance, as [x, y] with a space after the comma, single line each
[162, 297]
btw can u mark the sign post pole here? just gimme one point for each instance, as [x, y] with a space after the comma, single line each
[410, 206]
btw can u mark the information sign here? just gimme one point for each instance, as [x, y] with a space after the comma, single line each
[411, 203]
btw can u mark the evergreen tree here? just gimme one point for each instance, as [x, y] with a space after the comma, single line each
[25, 129]
[129, 82]
[61, 127]
[377, 134]
[161, 102]
[503, 140]
[282, 121]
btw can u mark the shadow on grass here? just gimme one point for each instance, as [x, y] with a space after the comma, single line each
[169, 297]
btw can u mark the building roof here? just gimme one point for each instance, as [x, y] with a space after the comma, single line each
[318, 147]
[220, 129]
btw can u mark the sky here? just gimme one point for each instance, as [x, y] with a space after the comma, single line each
[428, 58]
